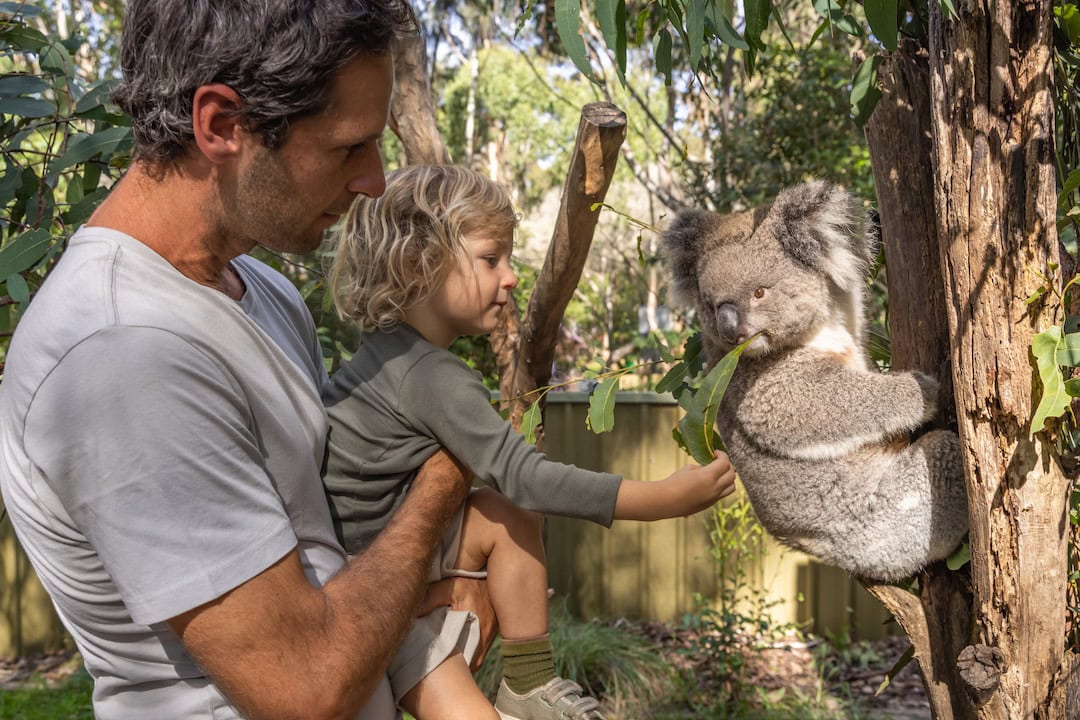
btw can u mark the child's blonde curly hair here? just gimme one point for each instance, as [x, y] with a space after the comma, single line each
[395, 249]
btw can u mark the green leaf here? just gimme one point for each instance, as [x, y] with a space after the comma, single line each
[699, 426]
[899, 665]
[1069, 20]
[18, 290]
[55, 59]
[864, 91]
[724, 30]
[1068, 353]
[831, 11]
[1073, 387]
[695, 30]
[948, 7]
[96, 96]
[1071, 183]
[672, 379]
[694, 355]
[10, 183]
[662, 348]
[15, 85]
[601, 417]
[662, 54]
[611, 15]
[78, 213]
[757, 19]
[83, 147]
[25, 250]
[882, 18]
[19, 7]
[25, 107]
[1055, 399]
[22, 39]
[529, 421]
[568, 23]
[960, 557]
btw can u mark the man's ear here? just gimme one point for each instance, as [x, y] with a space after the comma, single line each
[217, 121]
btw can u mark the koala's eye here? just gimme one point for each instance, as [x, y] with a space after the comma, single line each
[759, 293]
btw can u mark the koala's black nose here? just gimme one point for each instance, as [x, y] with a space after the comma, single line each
[727, 321]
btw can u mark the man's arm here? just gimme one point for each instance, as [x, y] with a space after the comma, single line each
[280, 647]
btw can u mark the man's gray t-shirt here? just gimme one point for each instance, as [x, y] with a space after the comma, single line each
[160, 444]
[397, 401]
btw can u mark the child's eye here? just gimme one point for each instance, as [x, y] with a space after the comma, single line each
[491, 260]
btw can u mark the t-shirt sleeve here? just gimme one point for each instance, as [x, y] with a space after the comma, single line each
[149, 444]
[449, 403]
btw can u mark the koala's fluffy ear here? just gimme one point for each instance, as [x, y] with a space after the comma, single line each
[682, 243]
[824, 227]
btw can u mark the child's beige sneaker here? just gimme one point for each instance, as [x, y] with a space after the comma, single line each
[559, 699]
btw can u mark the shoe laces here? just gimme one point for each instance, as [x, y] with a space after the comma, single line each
[575, 706]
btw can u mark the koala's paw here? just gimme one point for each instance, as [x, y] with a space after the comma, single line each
[930, 390]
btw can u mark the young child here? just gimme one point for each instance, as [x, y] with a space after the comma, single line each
[427, 262]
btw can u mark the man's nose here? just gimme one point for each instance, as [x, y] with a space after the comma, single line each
[368, 178]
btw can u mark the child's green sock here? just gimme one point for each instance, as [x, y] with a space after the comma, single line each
[527, 664]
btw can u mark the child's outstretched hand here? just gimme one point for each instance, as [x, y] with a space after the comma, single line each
[684, 492]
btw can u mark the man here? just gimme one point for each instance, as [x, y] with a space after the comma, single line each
[161, 431]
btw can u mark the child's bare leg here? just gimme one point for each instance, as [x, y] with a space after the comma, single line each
[506, 539]
[448, 693]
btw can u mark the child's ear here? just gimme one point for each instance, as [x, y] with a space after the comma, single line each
[217, 122]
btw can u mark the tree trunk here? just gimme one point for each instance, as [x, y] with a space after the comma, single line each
[993, 130]
[938, 619]
[412, 110]
[592, 165]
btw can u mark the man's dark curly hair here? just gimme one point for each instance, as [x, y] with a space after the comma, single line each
[280, 56]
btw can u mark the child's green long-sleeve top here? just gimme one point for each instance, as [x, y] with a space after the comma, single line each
[396, 402]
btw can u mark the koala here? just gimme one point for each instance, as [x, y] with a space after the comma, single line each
[821, 439]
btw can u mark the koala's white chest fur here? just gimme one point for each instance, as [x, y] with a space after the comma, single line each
[835, 339]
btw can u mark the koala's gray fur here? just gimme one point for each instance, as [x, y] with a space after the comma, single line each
[819, 438]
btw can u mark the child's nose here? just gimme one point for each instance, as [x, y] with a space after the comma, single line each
[511, 280]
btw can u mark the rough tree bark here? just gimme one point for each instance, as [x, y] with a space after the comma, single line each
[993, 129]
[527, 362]
[938, 619]
[412, 109]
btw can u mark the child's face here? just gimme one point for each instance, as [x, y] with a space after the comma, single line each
[475, 291]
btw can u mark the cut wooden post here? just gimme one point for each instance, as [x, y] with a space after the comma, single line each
[600, 134]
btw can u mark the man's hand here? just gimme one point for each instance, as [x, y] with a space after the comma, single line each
[461, 593]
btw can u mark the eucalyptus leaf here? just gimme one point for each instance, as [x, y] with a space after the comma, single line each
[662, 54]
[601, 417]
[22, 252]
[83, 147]
[18, 290]
[529, 422]
[15, 85]
[1055, 398]
[882, 18]
[10, 183]
[78, 213]
[834, 13]
[25, 107]
[568, 23]
[96, 96]
[57, 60]
[673, 378]
[695, 30]
[699, 430]
[757, 19]
[19, 7]
[724, 30]
[611, 15]
[23, 39]
[864, 90]
[1071, 184]
[899, 665]
[1069, 351]
[959, 558]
